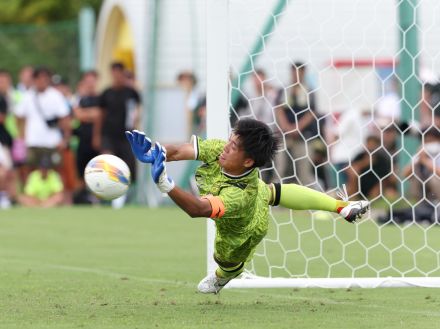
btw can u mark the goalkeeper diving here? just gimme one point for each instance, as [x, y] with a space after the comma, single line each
[231, 192]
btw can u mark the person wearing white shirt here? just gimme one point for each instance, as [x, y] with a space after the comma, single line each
[43, 120]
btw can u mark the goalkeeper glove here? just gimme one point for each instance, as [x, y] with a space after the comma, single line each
[158, 169]
[140, 145]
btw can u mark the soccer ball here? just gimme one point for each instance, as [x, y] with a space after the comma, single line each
[107, 176]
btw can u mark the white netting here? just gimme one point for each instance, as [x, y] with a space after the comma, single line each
[373, 126]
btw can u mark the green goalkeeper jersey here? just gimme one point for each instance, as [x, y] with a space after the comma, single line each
[245, 198]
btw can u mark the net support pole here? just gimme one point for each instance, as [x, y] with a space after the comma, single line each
[86, 25]
[146, 190]
[217, 95]
[408, 73]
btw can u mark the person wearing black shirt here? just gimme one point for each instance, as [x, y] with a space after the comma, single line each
[88, 113]
[120, 109]
[371, 168]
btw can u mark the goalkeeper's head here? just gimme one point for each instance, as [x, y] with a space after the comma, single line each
[254, 142]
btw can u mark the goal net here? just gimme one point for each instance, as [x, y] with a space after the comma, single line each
[351, 88]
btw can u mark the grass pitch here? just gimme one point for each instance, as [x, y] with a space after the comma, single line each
[138, 268]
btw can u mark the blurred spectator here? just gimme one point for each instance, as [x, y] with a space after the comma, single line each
[425, 169]
[120, 106]
[5, 108]
[43, 188]
[296, 117]
[24, 84]
[199, 118]
[387, 109]
[25, 79]
[188, 82]
[424, 188]
[7, 179]
[430, 106]
[88, 113]
[371, 169]
[62, 85]
[346, 137]
[261, 98]
[68, 169]
[43, 120]
[433, 105]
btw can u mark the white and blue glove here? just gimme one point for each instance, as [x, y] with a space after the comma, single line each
[140, 145]
[158, 169]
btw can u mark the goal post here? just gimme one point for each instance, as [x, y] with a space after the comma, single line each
[217, 92]
[358, 61]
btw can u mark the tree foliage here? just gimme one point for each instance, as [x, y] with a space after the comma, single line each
[42, 11]
[41, 32]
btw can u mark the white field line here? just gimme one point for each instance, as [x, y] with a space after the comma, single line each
[110, 274]
[117, 275]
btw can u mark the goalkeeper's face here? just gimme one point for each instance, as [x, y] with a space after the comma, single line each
[233, 159]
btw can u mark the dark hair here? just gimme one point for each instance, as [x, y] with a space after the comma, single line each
[257, 140]
[4, 72]
[298, 66]
[259, 71]
[89, 72]
[187, 74]
[373, 138]
[41, 70]
[432, 132]
[117, 66]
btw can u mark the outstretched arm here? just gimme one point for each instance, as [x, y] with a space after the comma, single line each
[193, 206]
[180, 152]
[141, 147]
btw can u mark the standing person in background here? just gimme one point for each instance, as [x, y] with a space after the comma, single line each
[120, 105]
[25, 79]
[261, 99]
[24, 84]
[5, 108]
[199, 121]
[296, 117]
[7, 179]
[7, 176]
[346, 138]
[88, 113]
[424, 170]
[187, 82]
[43, 120]
[68, 169]
[368, 175]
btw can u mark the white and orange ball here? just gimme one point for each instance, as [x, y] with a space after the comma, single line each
[107, 176]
